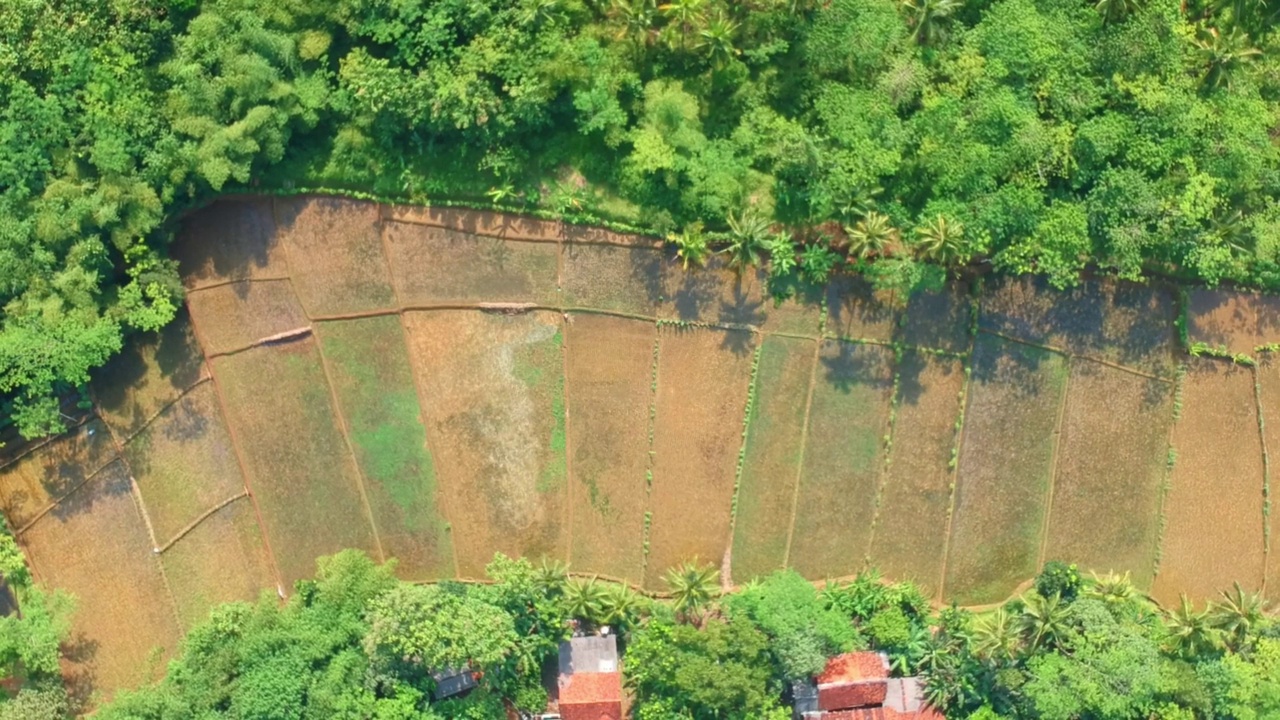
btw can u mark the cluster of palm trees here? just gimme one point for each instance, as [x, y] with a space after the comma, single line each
[680, 25]
[595, 602]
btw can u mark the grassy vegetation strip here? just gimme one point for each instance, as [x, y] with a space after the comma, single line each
[372, 375]
[1208, 544]
[1004, 469]
[1267, 387]
[843, 458]
[653, 421]
[608, 373]
[771, 458]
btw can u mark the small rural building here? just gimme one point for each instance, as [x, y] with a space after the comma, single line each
[590, 682]
[451, 682]
[857, 686]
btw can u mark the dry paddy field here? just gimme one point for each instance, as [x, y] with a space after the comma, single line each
[435, 386]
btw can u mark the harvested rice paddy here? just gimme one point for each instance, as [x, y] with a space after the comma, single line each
[440, 385]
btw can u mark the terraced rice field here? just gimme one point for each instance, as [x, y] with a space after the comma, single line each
[438, 385]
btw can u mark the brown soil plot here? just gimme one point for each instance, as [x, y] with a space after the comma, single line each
[300, 472]
[492, 395]
[335, 254]
[616, 278]
[608, 366]
[1111, 463]
[222, 559]
[770, 468]
[153, 370]
[843, 459]
[477, 222]
[1213, 513]
[1005, 469]
[696, 445]
[369, 364]
[95, 545]
[910, 538]
[1237, 321]
[232, 239]
[1119, 322]
[434, 266]
[233, 317]
[184, 462]
[48, 473]
[800, 314]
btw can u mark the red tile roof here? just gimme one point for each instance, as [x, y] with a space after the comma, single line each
[591, 696]
[853, 667]
[853, 680]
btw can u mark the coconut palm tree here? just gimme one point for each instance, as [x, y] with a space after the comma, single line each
[716, 40]
[995, 637]
[1113, 590]
[635, 20]
[693, 587]
[584, 599]
[683, 17]
[871, 236]
[691, 245]
[1114, 11]
[1237, 615]
[619, 605]
[748, 236]
[941, 240]
[1044, 620]
[551, 575]
[928, 18]
[1191, 633]
[1224, 54]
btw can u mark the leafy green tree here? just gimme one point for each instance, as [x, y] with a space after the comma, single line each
[1238, 616]
[803, 631]
[872, 236]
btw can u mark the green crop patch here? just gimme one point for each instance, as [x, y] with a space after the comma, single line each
[843, 459]
[435, 266]
[184, 462]
[369, 364]
[1214, 511]
[1112, 459]
[771, 463]
[153, 370]
[95, 545]
[300, 472]
[335, 254]
[493, 397]
[221, 560]
[911, 525]
[1005, 467]
[608, 364]
[703, 379]
[232, 317]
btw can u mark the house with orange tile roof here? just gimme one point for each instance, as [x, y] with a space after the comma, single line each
[590, 684]
[857, 686]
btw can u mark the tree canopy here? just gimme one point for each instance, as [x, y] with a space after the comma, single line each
[897, 138]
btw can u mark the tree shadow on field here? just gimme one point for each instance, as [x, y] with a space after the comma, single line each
[649, 266]
[111, 481]
[911, 372]
[228, 239]
[177, 357]
[79, 654]
[1010, 364]
[847, 365]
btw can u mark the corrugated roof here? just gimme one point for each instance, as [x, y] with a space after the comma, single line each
[593, 654]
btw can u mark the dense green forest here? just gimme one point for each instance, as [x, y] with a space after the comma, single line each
[357, 643]
[894, 137]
